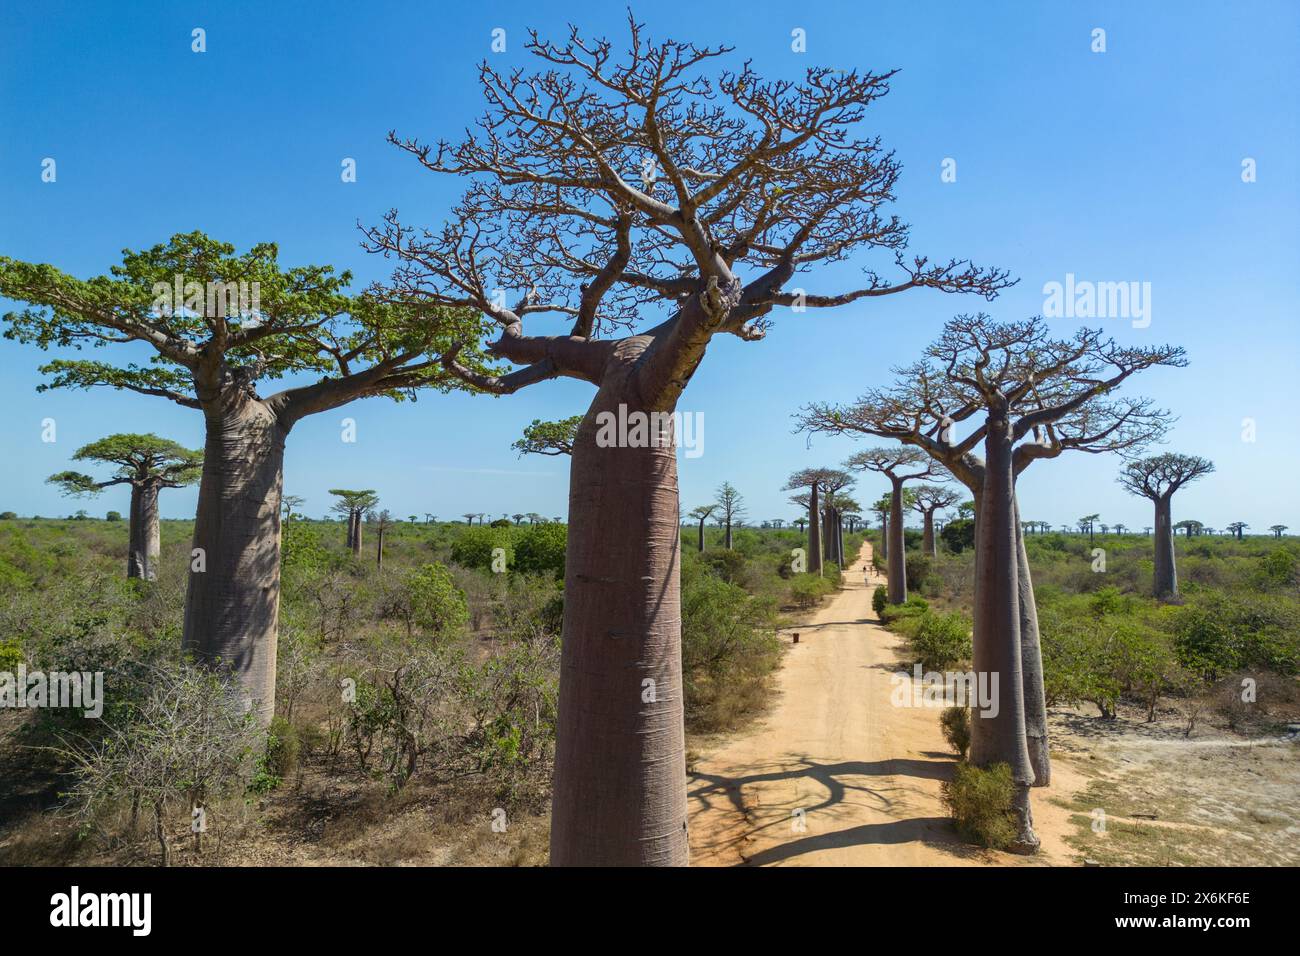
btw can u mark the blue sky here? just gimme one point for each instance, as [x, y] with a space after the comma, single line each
[1115, 166]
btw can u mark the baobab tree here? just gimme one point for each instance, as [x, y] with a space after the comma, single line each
[657, 208]
[1024, 396]
[1237, 527]
[1086, 524]
[383, 520]
[353, 505]
[1277, 529]
[927, 499]
[1157, 479]
[701, 514]
[191, 300]
[819, 482]
[291, 503]
[148, 464]
[1189, 527]
[731, 507]
[882, 508]
[900, 465]
[549, 438]
[834, 506]
[1120, 529]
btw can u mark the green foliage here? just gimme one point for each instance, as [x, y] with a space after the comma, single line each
[437, 605]
[8, 516]
[474, 545]
[808, 589]
[959, 535]
[980, 801]
[955, 722]
[729, 647]
[540, 549]
[549, 438]
[113, 516]
[879, 600]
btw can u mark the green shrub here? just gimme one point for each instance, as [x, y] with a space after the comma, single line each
[918, 567]
[955, 722]
[540, 549]
[729, 647]
[436, 604]
[808, 589]
[879, 599]
[914, 605]
[941, 641]
[980, 801]
[113, 516]
[473, 548]
[282, 747]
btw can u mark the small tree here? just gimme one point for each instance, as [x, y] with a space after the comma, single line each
[353, 505]
[291, 503]
[1277, 529]
[1237, 527]
[701, 514]
[148, 464]
[1157, 479]
[549, 438]
[732, 506]
[928, 499]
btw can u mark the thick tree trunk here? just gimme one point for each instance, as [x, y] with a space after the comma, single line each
[897, 552]
[379, 548]
[998, 732]
[1031, 663]
[884, 536]
[233, 601]
[137, 552]
[814, 533]
[619, 794]
[701, 547]
[839, 537]
[726, 542]
[356, 534]
[1166, 577]
[927, 534]
[352, 528]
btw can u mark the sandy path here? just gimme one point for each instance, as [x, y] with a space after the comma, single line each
[835, 775]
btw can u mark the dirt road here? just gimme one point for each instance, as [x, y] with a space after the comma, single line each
[835, 775]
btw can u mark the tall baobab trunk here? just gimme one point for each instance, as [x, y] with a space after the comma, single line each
[233, 601]
[619, 795]
[726, 540]
[1166, 577]
[814, 532]
[928, 544]
[998, 733]
[352, 529]
[356, 533]
[143, 533]
[379, 547]
[701, 547]
[839, 537]
[884, 535]
[828, 538]
[897, 551]
[1031, 663]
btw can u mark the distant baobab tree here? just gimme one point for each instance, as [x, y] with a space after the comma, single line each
[1086, 524]
[928, 499]
[469, 517]
[1237, 527]
[900, 465]
[777, 523]
[815, 480]
[518, 518]
[1189, 527]
[549, 438]
[601, 187]
[147, 464]
[383, 520]
[881, 509]
[701, 514]
[1024, 396]
[1277, 529]
[732, 508]
[1120, 529]
[429, 518]
[291, 503]
[212, 350]
[1157, 479]
[800, 523]
[354, 505]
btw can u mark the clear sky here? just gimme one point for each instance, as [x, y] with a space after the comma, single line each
[1117, 166]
